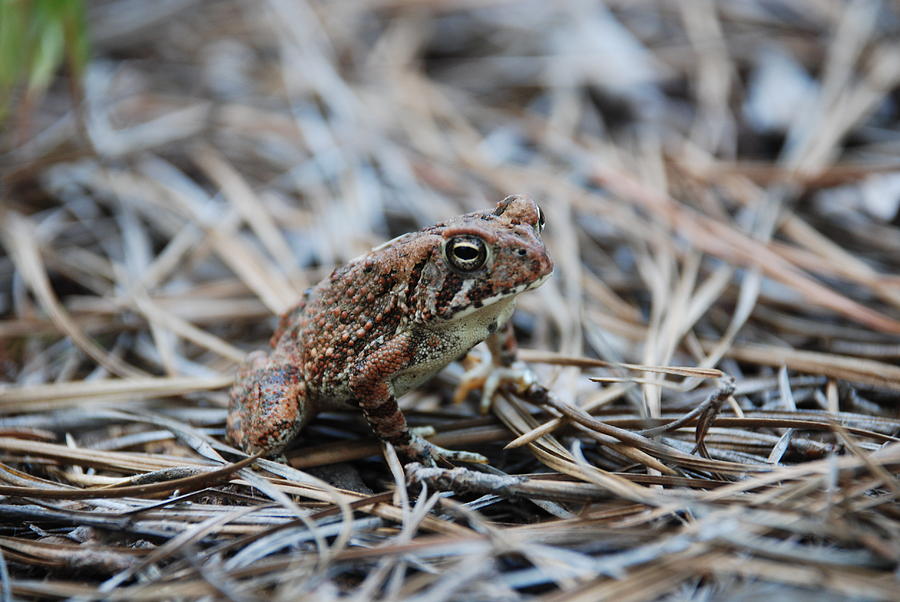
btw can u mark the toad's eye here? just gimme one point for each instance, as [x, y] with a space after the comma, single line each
[541, 221]
[466, 253]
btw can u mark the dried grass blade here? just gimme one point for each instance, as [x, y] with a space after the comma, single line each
[843, 367]
[208, 478]
[16, 399]
[730, 244]
[248, 204]
[20, 239]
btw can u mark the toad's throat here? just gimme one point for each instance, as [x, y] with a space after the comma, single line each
[449, 340]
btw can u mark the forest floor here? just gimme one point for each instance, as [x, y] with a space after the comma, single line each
[721, 334]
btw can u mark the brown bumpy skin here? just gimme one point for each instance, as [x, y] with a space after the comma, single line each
[387, 321]
[370, 385]
[273, 405]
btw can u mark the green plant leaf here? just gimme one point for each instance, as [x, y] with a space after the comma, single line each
[36, 38]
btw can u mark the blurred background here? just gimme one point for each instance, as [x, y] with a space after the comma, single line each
[721, 181]
[259, 144]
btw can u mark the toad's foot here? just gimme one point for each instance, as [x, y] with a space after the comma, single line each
[488, 376]
[421, 450]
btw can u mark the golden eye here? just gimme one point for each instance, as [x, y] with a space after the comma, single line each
[466, 253]
[541, 221]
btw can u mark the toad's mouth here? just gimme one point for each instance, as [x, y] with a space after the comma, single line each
[508, 294]
[538, 282]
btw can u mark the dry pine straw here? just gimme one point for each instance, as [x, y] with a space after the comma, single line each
[748, 447]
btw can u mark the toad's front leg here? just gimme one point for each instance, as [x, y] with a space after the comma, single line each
[268, 406]
[499, 369]
[370, 384]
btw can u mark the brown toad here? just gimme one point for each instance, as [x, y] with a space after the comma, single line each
[387, 321]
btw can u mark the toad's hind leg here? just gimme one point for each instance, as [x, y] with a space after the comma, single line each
[267, 408]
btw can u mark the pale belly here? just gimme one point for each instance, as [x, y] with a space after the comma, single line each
[455, 338]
